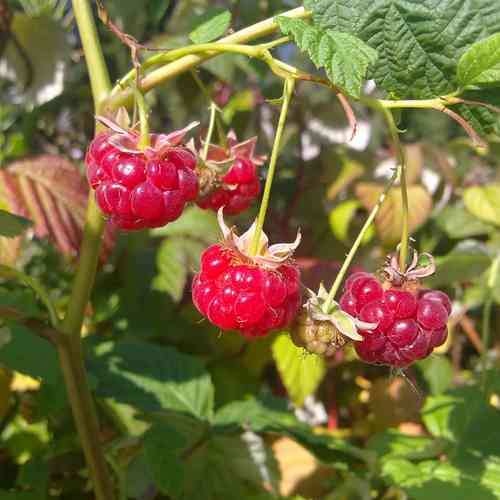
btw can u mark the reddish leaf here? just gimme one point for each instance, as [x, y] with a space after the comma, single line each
[50, 191]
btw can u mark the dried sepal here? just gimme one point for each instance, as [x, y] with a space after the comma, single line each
[126, 138]
[269, 257]
[417, 270]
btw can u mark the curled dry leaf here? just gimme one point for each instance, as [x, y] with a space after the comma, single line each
[50, 191]
[389, 218]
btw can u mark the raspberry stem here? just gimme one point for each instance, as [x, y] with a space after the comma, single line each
[405, 230]
[208, 138]
[69, 345]
[287, 96]
[218, 122]
[352, 252]
[142, 107]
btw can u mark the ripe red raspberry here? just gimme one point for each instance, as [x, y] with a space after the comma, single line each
[229, 176]
[141, 188]
[251, 294]
[409, 325]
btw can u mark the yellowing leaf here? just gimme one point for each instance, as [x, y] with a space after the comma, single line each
[484, 202]
[301, 373]
[389, 218]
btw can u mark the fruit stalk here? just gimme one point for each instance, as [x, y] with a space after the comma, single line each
[405, 230]
[143, 118]
[287, 96]
[357, 243]
[208, 138]
[69, 346]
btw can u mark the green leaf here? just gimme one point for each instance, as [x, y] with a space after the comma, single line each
[480, 64]
[175, 260]
[21, 301]
[203, 459]
[300, 372]
[12, 225]
[162, 447]
[152, 378]
[45, 45]
[458, 223]
[346, 58]
[437, 373]
[392, 442]
[271, 415]
[211, 26]
[340, 218]
[464, 263]
[34, 475]
[25, 350]
[179, 254]
[418, 43]
[484, 202]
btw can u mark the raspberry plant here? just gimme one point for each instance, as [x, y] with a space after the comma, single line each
[189, 349]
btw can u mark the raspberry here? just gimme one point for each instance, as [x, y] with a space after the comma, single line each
[317, 337]
[236, 189]
[240, 187]
[237, 290]
[138, 189]
[244, 297]
[410, 324]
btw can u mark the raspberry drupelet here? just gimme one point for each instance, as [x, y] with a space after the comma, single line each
[229, 177]
[253, 294]
[138, 188]
[410, 321]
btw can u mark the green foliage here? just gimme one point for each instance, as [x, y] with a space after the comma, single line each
[153, 378]
[411, 64]
[346, 58]
[484, 202]
[300, 372]
[212, 25]
[459, 223]
[12, 225]
[480, 64]
[179, 253]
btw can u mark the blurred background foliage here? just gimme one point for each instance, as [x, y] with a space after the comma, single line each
[188, 412]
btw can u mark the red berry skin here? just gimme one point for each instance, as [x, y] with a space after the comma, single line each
[353, 277]
[245, 297]
[409, 325]
[431, 314]
[440, 297]
[135, 191]
[377, 312]
[403, 304]
[348, 304]
[402, 332]
[240, 187]
[369, 291]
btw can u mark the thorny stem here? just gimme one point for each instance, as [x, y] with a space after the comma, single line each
[208, 138]
[405, 230]
[357, 243]
[287, 96]
[488, 305]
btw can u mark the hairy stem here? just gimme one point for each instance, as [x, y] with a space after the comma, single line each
[287, 96]
[405, 228]
[69, 346]
[208, 138]
[169, 71]
[357, 243]
[144, 141]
